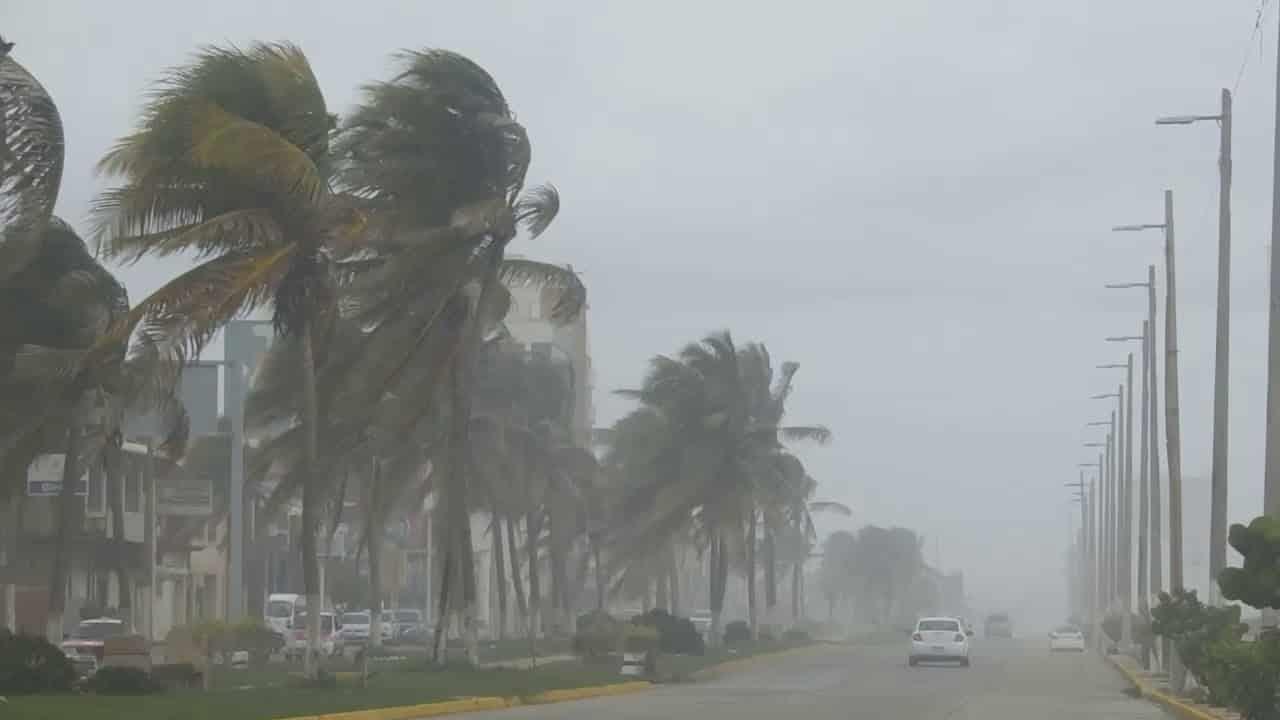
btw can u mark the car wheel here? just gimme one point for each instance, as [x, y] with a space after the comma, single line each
[964, 662]
[912, 662]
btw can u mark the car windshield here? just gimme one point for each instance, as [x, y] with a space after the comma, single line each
[948, 625]
[279, 609]
[97, 630]
[408, 616]
[1067, 630]
[355, 619]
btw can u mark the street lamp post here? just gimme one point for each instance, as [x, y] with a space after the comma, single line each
[1095, 582]
[1086, 549]
[1173, 433]
[1121, 507]
[1222, 342]
[1143, 500]
[1153, 434]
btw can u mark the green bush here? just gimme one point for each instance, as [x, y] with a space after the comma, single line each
[176, 675]
[598, 636]
[122, 681]
[255, 638]
[639, 638]
[797, 636]
[737, 633]
[676, 635]
[1194, 628]
[30, 664]
[1244, 676]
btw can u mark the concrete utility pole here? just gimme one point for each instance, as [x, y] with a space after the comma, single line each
[1271, 485]
[1096, 599]
[1222, 344]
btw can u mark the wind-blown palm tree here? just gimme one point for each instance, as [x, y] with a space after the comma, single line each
[231, 165]
[712, 437]
[438, 156]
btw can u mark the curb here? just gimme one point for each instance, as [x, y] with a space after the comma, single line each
[475, 704]
[738, 664]
[1178, 707]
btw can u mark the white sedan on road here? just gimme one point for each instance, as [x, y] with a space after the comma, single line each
[939, 639]
[1066, 638]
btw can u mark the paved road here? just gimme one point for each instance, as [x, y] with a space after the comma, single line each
[1009, 680]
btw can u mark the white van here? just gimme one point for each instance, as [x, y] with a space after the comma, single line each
[282, 608]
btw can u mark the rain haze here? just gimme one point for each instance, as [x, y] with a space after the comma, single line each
[910, 198]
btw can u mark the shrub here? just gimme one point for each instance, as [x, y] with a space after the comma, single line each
[1195, 627]
[122, 681]
[1243, 676]
[639, 638]
[737, 633]
[598, 635]
[30, 664]
[255, 638]
[176, 675]
[676, 635]
[797, 636]
[766, 635]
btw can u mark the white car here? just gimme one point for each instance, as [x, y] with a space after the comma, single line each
[1066, 638]
[939, 639]
[331, 640]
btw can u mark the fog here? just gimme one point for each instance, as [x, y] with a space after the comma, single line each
[911, 198]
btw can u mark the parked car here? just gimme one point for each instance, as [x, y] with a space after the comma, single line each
[86, 643]
[331, 640]
[1066, 638]
[356, 625]
[404, 626]
[939, 639]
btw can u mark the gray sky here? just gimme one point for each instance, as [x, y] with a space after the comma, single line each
[909, 197]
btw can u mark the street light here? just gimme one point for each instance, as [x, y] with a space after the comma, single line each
[1222, 343]
[1152, 432]
[1143, 491]
[1172, 425]
[1118, 499]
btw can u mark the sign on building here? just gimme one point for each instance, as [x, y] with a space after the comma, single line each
[44, 476]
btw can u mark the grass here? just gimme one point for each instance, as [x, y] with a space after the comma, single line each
[682, 668]
[387, 688]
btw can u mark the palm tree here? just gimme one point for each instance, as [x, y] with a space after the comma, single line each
[710, 437]
[439, 158]
[56, 301]
[231, 165]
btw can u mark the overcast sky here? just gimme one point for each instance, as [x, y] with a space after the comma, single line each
[911, 198]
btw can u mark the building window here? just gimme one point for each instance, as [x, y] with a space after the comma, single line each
[132, 485]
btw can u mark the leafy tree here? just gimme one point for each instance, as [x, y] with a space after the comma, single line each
[1257, 583]
[1195, 628]
[231, 164]
[438, 157]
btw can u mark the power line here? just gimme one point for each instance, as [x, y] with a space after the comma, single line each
[1255, 34]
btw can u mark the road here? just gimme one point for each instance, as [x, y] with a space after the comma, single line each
[1009, 680]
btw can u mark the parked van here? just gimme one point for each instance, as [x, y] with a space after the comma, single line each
[281, 610]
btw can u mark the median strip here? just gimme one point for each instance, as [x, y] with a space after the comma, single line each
[1179, 707]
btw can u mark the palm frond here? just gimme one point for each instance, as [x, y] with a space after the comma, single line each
[31, 160]
[254, 153]
[571, 294]
[537, 208]
[831, 506]
[806, 433]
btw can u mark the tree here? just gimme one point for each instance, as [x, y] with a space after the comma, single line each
[231, 165]
[710, 420]
[837, 574]
[438, 157]
[1256, 583]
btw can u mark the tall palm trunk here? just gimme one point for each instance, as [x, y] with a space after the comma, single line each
[67, 523]
[442, 611]
[597, 561]
[500, 574]
[770, 576]
[517, 581]
[674, 569]
[718, 579]
[662, 601]
[310, 500]
[533, 526]
[752, 616]
[795, 592]
[375, 557]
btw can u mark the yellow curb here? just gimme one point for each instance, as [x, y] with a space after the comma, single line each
[411, 712]
[555, 696]
[1176, 706]
[731, 665]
